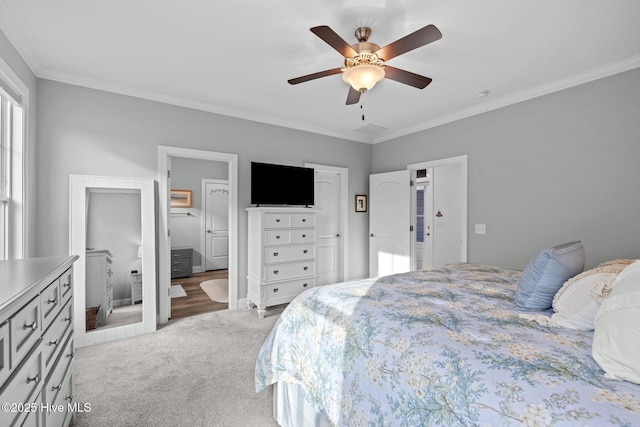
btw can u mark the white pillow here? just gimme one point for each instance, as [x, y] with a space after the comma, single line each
[575, 305]
[617, 327]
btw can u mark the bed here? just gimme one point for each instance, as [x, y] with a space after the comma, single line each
[440, 347]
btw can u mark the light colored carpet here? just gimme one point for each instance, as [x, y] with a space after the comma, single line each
[177, 291]
[123, 315]
[196, 371]
[216, 289]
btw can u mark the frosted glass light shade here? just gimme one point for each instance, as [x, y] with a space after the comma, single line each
[363, 77]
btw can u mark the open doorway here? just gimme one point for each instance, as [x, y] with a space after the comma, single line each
[172, 246]
[199, 213]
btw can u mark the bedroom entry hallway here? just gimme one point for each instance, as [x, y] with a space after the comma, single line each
[196, 301]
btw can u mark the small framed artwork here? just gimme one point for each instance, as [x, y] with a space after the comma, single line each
[361, 203]
[181, 199]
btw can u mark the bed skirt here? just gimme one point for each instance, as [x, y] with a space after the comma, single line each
[290, 408]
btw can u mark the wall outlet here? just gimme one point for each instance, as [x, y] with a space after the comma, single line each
[481, 228]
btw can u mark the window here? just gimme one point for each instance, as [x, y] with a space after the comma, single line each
[420, 214]
[12, 142]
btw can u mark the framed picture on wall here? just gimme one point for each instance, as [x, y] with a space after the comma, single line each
[181, 199]
[361, 203]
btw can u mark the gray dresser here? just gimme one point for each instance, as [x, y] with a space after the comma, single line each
[36, 342]
[99, 283]
[181, 263]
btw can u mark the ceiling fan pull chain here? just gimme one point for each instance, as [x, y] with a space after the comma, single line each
[362, 113]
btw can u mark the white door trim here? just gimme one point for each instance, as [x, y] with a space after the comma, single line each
[344, 214]
[164, 267]
[462, 161]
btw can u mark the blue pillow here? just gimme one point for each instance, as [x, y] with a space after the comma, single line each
[545, 274]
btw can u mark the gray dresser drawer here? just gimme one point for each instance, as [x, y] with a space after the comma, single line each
[24, 386]
[181, 264]
[25, 330]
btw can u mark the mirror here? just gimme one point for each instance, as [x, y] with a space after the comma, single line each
[112, 231]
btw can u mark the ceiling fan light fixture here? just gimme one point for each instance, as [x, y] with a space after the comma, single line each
[363, 77]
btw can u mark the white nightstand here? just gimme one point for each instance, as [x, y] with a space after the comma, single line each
[136, 287]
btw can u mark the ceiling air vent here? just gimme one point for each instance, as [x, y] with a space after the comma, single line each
[370, 129]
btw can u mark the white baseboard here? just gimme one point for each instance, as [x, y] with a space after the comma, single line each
[197, 269]
[242, 303]
[121, 302]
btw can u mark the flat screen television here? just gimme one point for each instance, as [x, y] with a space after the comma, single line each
[281, 185]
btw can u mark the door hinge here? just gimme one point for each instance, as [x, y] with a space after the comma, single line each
[411, 228]
[168, 292]
[168, 174]
[168, 233]
[411, 184]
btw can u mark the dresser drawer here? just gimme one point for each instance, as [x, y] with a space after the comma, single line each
[50, 302]
[303, 236]
[5, 351]
[277, 237]
[277, 220]
[66, 285]
[25, 330]
[33, 418]
[287, 291]
[53, 338]
[56, 381]
[288, 253]
[289, 270]
[303, 220]
[23, 387]
[63, 400]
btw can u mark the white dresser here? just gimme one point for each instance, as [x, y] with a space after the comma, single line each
[281, 255]
[36, 342]
[99, 283]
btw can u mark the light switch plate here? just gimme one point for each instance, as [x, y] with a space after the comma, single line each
[481, 228]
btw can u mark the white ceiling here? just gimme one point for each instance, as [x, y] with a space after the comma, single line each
[235, 57]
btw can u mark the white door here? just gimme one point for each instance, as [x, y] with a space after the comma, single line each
[328, 197]
[389, 217]
[216, 223]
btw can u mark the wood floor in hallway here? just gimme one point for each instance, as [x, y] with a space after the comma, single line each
[196, 301]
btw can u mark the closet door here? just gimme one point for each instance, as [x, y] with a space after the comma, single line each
[389, 218]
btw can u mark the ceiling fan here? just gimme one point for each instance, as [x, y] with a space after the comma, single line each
[364, 62]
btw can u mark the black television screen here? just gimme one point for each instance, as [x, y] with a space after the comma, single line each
[281, 185]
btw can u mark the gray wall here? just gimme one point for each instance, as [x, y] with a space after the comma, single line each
[90, 132]
[556, 168]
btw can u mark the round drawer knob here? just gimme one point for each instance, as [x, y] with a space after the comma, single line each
[276, 271]
[275, 254]
[304, 219]
[275, 289]
[305, 268]
[304, 235]
[305, 251]
[278, 220]
[304, 285]
[277, 237]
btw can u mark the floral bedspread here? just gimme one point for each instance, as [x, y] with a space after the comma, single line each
[440, 347]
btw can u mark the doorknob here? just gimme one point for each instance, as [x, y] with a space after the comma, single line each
[338, 235]
[209, 231]
[371, 235]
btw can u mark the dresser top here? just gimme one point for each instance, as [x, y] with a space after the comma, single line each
[18, 277]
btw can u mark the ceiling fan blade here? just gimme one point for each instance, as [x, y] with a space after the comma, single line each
[334, 40]
[406, 77]
[353, 96]
[412, 41]
[314, 76]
